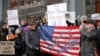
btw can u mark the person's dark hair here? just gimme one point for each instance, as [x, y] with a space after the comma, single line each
[12, 30]
[2, 23]
[34, 23]
[15, 26]
[91, 21]
[69, 23]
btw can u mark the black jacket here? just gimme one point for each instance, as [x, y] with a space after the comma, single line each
[19, 42]
[3, 34]
[87, 42]
[32, 39]
[97, 39]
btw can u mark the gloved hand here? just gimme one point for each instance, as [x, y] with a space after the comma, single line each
[36, 48]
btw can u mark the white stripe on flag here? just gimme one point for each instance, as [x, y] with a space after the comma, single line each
[66, 35]
[66, 40]
[73, 46]
[66, 54]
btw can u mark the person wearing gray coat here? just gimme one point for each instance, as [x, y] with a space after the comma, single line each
[88, 35]
[32, 40]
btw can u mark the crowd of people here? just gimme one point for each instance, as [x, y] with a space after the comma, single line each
[27, 39]
[25, 36]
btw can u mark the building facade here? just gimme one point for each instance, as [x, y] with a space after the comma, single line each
[1, 9]
[97, 6]
[32, 9]
[28, 9]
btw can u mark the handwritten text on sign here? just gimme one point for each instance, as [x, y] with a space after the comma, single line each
[7, 48]
[57, 8]
[12, 17]
[56, 14]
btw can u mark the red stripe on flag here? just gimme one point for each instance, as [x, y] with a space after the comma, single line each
[66, 33]
[65, 27]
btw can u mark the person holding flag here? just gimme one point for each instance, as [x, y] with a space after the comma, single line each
[32, 40]
[88, 35]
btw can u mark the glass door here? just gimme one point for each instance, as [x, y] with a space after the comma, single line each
[90, 7]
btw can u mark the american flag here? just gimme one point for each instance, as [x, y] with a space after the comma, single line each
[60, 40]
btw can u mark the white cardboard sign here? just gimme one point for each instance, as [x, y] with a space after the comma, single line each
[7, 48]
[70, 16]
[56, 14]
[12, 17]
[95, 16]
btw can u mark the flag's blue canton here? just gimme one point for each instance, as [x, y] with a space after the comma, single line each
[46, 32]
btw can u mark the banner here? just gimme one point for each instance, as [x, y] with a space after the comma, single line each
[7, 48]
[56, 14]
[60, 40]
[12, 17]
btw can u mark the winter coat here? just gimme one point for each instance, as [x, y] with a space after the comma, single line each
[3, 34]
[32, 40]
[11, 37]
[18, 42]
[23, 26]
[87, 43]
[97, 39]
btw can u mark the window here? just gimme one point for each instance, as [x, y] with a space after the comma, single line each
[90, 7]
[13, 4]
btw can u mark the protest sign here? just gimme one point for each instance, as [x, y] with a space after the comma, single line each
[7, 48]
[56, 14]
[56, 20]
[57, 8]
[95, 16]
[12, 17]
[70, 16]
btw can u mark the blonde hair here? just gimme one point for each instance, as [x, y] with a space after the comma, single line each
[18, 31]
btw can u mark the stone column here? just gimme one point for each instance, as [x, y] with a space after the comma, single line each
[80, 6]
[77, 6]
[1, 5]
[71, 5]
[5, 7]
